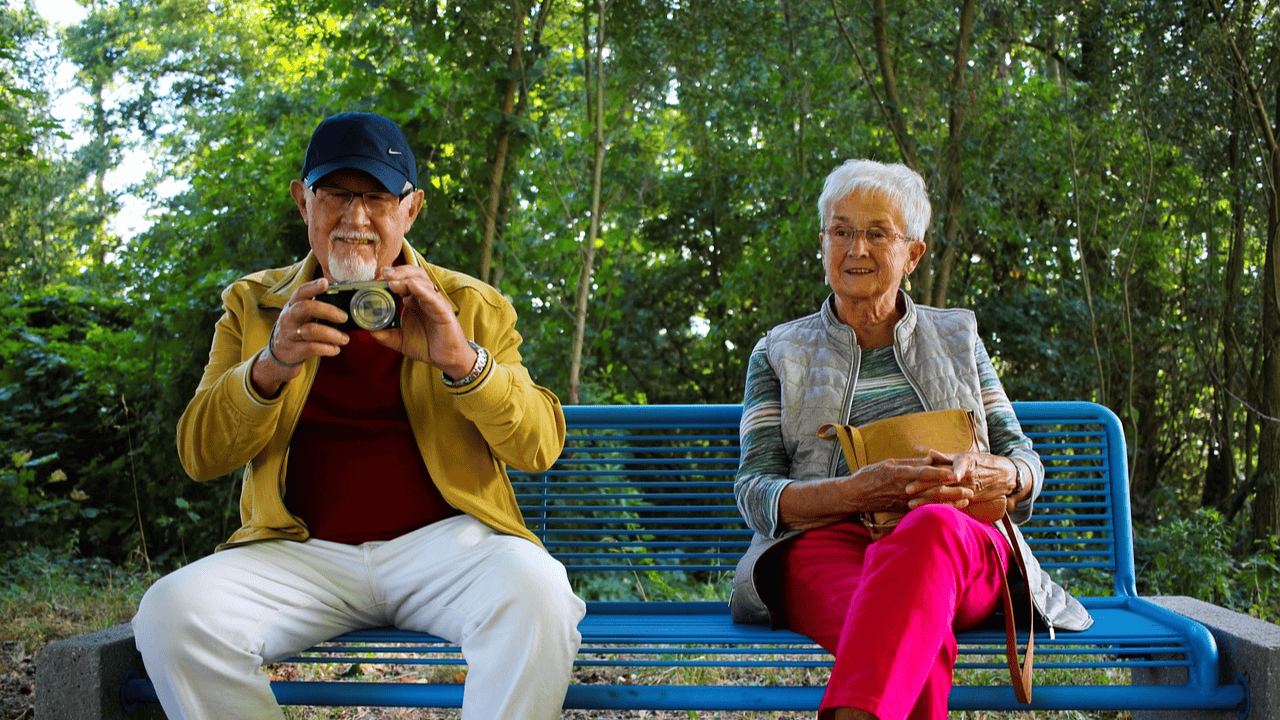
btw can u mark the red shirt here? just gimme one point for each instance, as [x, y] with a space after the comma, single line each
[355, 473]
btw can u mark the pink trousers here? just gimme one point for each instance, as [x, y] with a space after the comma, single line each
[889, 610]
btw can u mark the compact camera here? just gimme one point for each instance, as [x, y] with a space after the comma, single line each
[369, 305]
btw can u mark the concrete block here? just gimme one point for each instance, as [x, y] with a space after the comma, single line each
[1246, 646]
[79, 678]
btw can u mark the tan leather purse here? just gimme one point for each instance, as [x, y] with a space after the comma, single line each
[908, 436]
[949, 431]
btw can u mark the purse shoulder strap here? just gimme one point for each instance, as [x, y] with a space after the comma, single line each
[855, 450]
[1020, 674]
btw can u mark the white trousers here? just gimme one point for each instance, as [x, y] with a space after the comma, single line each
[206, 630]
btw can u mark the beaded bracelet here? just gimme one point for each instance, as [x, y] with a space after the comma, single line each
[271, 351]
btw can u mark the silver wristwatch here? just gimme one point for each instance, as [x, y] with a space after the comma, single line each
[482, 359]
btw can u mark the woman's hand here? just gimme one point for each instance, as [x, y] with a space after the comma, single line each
[897, 484]
[977, 477]
[886, 486]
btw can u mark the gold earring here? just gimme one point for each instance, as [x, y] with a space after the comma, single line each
[906, 282]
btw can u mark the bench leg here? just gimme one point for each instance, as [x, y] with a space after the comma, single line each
[79, 678]
[1247, 647]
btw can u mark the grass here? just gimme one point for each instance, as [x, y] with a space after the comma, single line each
[47, 596]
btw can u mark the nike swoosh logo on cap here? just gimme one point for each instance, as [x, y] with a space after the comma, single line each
[393, 152]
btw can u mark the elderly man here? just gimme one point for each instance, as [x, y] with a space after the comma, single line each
[375, 486]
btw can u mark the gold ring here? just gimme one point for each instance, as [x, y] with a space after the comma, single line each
[299, 333]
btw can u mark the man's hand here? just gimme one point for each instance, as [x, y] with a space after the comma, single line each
[429, 330]
[296, 337]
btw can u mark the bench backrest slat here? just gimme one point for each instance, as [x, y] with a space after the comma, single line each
[649, 489]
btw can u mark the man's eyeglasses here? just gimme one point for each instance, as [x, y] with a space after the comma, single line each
[339, 199]
[843, 237]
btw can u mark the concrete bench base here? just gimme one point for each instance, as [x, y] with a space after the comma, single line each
[1246, 646]
[79, 678]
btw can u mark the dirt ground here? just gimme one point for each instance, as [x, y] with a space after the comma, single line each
[17, 682]
[17, 700]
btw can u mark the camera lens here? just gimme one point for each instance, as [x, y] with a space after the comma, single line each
[372, 308]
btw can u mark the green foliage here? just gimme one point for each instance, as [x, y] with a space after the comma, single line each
[49, 594]
[81, 392]
[32, 513]
[1102, 196]
[20, 90]
[39, 179]
[645, 585]
[1195, 556]
[36, 567]
[59, 353]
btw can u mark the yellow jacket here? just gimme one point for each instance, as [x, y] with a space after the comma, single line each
[467, 435]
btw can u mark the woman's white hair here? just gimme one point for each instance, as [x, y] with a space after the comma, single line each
[902, 185]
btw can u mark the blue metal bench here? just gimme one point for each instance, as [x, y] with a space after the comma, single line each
[644, 495]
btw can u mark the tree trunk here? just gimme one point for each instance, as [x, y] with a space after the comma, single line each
[595, 112]
[515, 67]
[1220, 468]
[1266, 515]
[102, 158]
[891, 105]
[893, 98]
[948, 247]
[800, 98]
[932, 279]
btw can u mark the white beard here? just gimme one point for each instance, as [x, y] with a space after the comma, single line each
[351, 267]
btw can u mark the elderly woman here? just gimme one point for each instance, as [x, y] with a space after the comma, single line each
[888, 609]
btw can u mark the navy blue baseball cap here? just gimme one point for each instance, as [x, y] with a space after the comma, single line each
[361, 141]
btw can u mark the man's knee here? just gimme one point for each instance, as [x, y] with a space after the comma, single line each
[539, 591]
[525, 588]
[173, 612]
[162, 617]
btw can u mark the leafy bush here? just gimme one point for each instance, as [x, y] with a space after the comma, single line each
[652, 585]
[33, 514]
[91, 387]
[58, 426]
[1194, 556]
